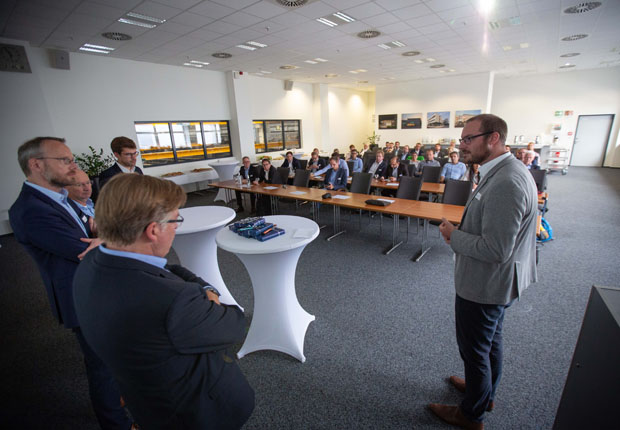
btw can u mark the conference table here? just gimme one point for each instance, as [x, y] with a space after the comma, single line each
[427, 211]
[427, 187]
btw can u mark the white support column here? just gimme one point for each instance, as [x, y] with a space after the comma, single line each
[490, 92]
[320, 105]
[241, 129]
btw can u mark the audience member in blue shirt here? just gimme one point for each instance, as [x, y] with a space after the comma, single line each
[80, 193]
[358, 165]
[343, 165]
[454, 169]
[336, 177]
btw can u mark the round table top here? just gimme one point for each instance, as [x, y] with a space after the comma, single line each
[201, 218]
[307, 229]
[223, 163]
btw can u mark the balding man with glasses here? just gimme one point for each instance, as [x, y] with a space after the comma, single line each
[126, 153]
[56, 235]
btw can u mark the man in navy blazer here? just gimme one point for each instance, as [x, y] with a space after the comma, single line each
[291, 162]
[57, 235]
[160, 328]
[126, 153]
[335, 177]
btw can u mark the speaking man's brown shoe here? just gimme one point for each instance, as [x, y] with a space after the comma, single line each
[459, 384]
[453, 415]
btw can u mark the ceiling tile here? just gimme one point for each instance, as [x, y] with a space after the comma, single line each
[365, 10]
[439, 5]
[211, 10]
[425, 21]
[176, 28]
[242, 19]
[235, 4]
[204, 34]
[381, 20]
[411, 12]
[90, 8]
[265, 10]
[397, 27]
[156, 10]
[179, 4]
[396, 4]
[119, 4]
[316, 10]
[221, 27]
[191, 19]
[346, 4]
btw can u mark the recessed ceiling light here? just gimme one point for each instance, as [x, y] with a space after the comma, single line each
[99, 51]
[398, 44]
[327, 22]
[353, 71]
[451, 70]
[442, 71]
[437, 66]
[583, 7]
[249, 48]
[138, 23]
[361, 70]
[311, 62]
[221, 55]
[331, 75]
[410, 53]
[430, 60]
[199, 66]
[199, 62]
[507, 48]
[574, 37]
[288, 67]
[419, 61]
[567, 66]
[524, 45]
[264, 71]
[571, 54]
[146, 17]
[114, 35]
[368, 34]
[260, 45]
[383, 46]
[344, 17]
[88, 45]
[321, 60]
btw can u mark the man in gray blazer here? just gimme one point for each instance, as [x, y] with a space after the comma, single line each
[495, 247]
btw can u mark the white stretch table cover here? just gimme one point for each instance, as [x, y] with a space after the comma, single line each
[195, 245]
[225, 170]
[279, 322]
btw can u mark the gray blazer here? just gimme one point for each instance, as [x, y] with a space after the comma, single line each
[495, 244]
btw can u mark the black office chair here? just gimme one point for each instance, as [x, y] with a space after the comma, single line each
[430, 174]
[281, 176]
[443, 161]
[351, 164]
[361, 184]
[302, 179]
[540, 177]
[411, 168]
[303, 163]
[457, 192]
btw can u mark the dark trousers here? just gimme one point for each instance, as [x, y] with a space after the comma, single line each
[479, 337]
[240, 201]
[104, 394]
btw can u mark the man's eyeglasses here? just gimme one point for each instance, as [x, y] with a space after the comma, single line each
[178, 221]
[467, 140]
[130, 154]
[65, 160]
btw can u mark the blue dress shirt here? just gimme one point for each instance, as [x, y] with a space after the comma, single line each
[89, 209]
[153, 260]
[358, 165]
[341, 165]
[453, 171]
[61, 199]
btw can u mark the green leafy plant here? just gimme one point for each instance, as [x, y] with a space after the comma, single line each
[94, 163]
[373, 139]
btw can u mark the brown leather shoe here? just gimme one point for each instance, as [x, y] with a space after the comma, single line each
[459, 384]
[453, 415]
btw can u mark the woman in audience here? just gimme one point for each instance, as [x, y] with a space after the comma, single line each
[471, 174]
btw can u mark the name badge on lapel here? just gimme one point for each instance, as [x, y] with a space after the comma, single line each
[478, 195]
[84, 218]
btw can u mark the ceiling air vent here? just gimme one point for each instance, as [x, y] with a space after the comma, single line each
[574, 37]
[368, 34]
[410, 53]
[583, 7]
[288, 67]
[221, 55]
[292, 3]
[113, 35]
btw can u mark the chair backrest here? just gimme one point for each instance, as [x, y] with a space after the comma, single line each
[326, 160]
[409, 188]
[431, 173]
[368, 155]
[303, 163]
[302, 178]
[457, 192]
[411, 168]
[351, 164]
[540, 177]
[443, 161]
[361, 183]
[281, 176]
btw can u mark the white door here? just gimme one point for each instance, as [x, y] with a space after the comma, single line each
[591, 139]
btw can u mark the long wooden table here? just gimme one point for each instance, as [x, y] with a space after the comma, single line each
[427, 187]
[426, 211]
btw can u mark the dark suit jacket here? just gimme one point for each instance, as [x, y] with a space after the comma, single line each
[249, 175]
[340, 180]
[261, 174]
[380, 170]
[320, 163]
[165, 343]
[296, 164]
[402, 171]
[52, 238]
[112, 171]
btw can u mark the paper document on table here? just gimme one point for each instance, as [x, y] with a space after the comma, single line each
[392, 184]
[387, 200]
[318, 177]
[271, 188]
[341, 197]
[297, 193]
[303, 233]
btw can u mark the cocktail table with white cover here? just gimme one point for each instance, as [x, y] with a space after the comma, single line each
[225, 170]
[279, 322]
[195, 245]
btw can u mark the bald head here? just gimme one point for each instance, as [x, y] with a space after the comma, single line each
[82, 189]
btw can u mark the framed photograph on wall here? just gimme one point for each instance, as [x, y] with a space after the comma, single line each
[438, 120]
[411, 120]
[387, 122]
[460, 116]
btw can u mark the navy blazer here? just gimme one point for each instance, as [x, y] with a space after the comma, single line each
[296, 163]
[402, 171]
[340, 180]
[112, 171]
[164, 341]
[52, 238]
[380, 170]
[251, 173]
[261, 174]
[320, 162]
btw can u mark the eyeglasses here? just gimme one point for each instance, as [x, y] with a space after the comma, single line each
[467, 140]
[65, 160]
[178, 221]
[130, 154]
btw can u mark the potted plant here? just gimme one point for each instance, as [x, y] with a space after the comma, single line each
[93, 164]
[373, 140]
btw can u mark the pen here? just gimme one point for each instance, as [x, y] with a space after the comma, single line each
[268, 230]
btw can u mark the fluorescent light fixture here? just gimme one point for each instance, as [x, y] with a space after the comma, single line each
[524, 45]
[264, 72]
[442, 71]
[199, 62]
[353, 71]
[138, 23]
[451, 70]
[146, 17]
[107, 48]
[193, 65]
[320, 60]
[430, 60]
[311, 62]
[397, 43]
[343, 17]
[507, 48]
[327, 22]
[249, 48]
[100, 51]
[260, 45]
[258, 74]
[361, 70]
[418, 61]
[384, 46]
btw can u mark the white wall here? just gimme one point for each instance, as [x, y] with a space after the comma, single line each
[528, 104]
[350, 118]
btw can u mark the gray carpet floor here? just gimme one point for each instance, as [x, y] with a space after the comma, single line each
[383, 341]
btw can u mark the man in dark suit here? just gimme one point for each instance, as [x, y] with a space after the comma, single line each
[315, 163]
[291, 162]
[378, 166]
[266, 175]
[495, 249]
[393, 173]
[248, 175]
[160, 328]
[335, 177]
[57, 235]
[126, 153]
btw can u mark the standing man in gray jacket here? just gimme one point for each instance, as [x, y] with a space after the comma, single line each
[495, 247]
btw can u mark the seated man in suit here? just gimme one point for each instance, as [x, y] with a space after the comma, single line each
[126, 153]
[429, 161]
[404, 153]
[438, 153]
[335, 177]
[265, 176]
[315, 163]
[528, 160]
[343, 165]
[394, 172]
[291, 162]
[364, 150]
[378, 167]
[454, 169]
[80, 193]
[159, 327]
[357, 162]
[52, 229]
[389, 151]
[248, 175]
[416, 151]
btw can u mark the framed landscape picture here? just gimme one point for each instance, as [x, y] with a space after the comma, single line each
[460, 116]
[387, 122]
[438, 120]
[411, 120]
